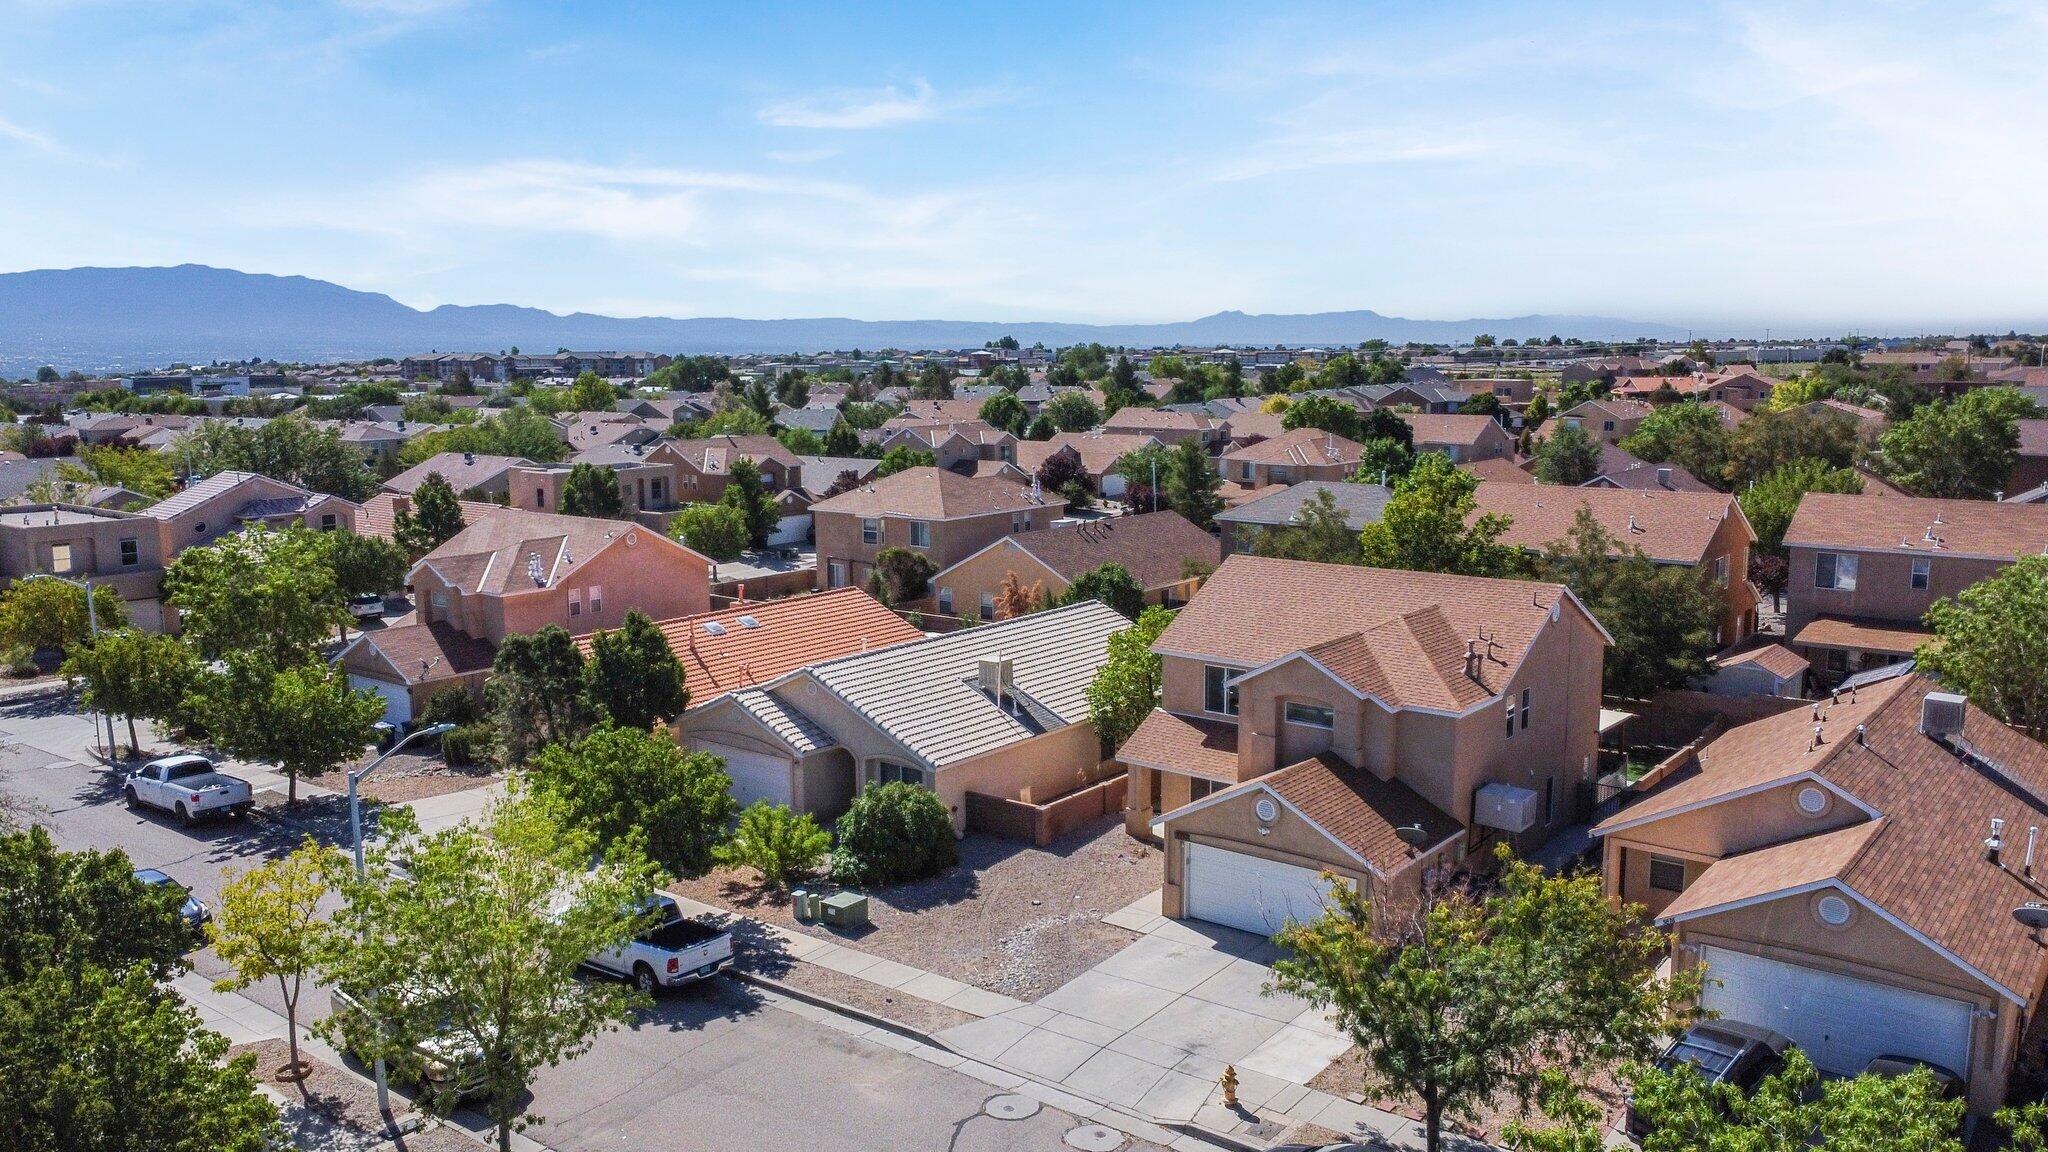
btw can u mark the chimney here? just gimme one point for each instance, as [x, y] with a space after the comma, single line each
[996, 674]
[1664, 477]
[1941, 715]
[1996, 841]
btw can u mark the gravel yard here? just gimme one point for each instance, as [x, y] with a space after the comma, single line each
[414, 776]
[1011, 918]
[1344, 1075]
[336, 1111]
[910, 1011]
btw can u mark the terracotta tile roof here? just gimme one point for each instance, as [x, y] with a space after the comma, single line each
[719, 653]
[1412, 625]
[1869, 635]
[375, 516]
[936, 494]
[1981, 528]
[462, 470]
[1361, 810]
[1671, 527]
[1448, 428]
[427, 652]
[1302, 446]
[1766, 654]
[1153, 547]
[495, 554]
[1205, 748]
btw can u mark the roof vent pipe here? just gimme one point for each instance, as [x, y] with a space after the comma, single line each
[2033, 834]
[1995, 841]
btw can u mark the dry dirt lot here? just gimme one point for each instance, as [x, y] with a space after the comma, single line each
[1343, 1077]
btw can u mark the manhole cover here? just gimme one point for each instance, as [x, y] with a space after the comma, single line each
[1011, 1107]
[1094, 1138]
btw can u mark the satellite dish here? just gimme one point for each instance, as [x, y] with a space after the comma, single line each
[1414, 836]
[2032, 915]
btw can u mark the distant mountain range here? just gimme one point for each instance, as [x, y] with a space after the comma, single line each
[104, 319]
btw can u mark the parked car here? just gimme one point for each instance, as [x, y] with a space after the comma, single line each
[1722, 1051]
[677, 950]
[193, 911]
[1947, 1083]
[188, 786]
[444, 1062]
[368, 606]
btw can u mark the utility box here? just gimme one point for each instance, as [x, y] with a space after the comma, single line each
[800, 903]
[846, 910]
[1506, 807]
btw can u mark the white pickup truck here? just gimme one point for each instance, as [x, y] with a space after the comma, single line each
[675, 951]
[188, 786]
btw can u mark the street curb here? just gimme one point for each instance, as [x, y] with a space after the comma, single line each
[831, 1005]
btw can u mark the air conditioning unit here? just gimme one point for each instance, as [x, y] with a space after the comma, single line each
[996, 675]
[1941, 715]
[1506, 807]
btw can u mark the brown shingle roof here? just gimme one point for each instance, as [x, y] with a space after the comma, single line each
[1099, 451]
[1672, 527]
[713, 455]
[1205, 748]
[424, 652]
[1792, 864]
[1868, 635]
[494, 554]
[1154, 547]
[1448, 428]
[1157, 419]
[462, 470]
[1981, 528]
[1361, 810]
[1766, 654]
[1299, 447]
[936, 494]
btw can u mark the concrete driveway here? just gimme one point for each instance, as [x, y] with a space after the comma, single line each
[1152, 1027]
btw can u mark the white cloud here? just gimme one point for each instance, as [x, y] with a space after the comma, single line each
[855, 110]
[20, 134]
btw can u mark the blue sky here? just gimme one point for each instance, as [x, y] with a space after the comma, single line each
[1871, 165]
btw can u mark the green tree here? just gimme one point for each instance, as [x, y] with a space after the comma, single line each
[1072, 412]
[902, 458]
[133, 673]
[269, 927]
[620, 783]
[592, 490]
[592, 393]
[1192, 485]
[1991, 644]
[1319, 533]
[1770, 502]
[842, 439]
[271, 593]
[1459, 1003]
[1689, 434]
[633, 677]
[430, 519]
[1424, 527]
[303, 717]
[475, 941]
[801, 441]
[1770, 440]
[74, 912]
[364, 565]
[1003, 410]
[746, 490]
[1125, 689]
[1963, 449]
[1386, 424]
[1481, 404]
[288, 448]
[1324, 413]
[934, 382]
[1382, 460]
[1567, 456]
[52, 614]
[536, 691]
[1113, 585]
[135, 469]
[779, 844]
[717, 530]
[1120, 388]
[901, 575]
[893, 833]
[1664, 620]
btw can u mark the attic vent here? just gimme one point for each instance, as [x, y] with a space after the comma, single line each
[533, 571]
[1941, 715]
[749, 622]
[714, 627]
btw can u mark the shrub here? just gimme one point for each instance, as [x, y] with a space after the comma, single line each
[893, 833]
[779, 844]
[449, 706]
[470, 744]
[20, 660]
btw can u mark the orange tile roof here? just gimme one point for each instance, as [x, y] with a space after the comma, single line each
[1205, 748]
[1672, 527]
[1981, 528]
[788, 634]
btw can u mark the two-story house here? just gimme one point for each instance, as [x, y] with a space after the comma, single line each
[1165, 425]
[1290, 458]
[1865, 569]
[118, 550]
[1164, 554]
[705, 466]
[943, 515]
[1608, 419]
[1462, 438]
[956, 445]
[1369, 722]
[232, 501]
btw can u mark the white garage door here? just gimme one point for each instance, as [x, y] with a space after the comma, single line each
[1249, 892]
[755, 775]
[1839, 1021]
[397, 701]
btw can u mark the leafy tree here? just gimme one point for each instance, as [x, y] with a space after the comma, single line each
[779, 844]
[934, 382]
[1041, 428]
[620, 783]
[430, 519]
[688, 374]
[901, 458]
[52, 615]
[1192, 485]
[1991, 644]
[801, 441]
[269, 927]
[69, 913]
[303, 717]
[1458, 1003]
[793, 390]
[1325, 413]
[1072, 412]
[717, 530]
[633, 677]
[1126, 688]
[135, 469]
[1385, 424]
[1689, 434]
[476, 941]
[1063, 472]
[1382, 461]
[1664, 620]
[1319, 533]
[901, 575]
[133, 673]
[759, 399]
[1567, 456]
[1963, 449]
[536, 691]
[1771, 440]
[271, 593]
[288, 448]
[747, 491]
[842, 440]
[1120, 388]
[1424, 526]
[592, 490]
[1113, 585]
[1481, 404]
[893, 833]
[1770, 502]
[364, 565]
[846, 481]
[592, 393]
[1003, 410]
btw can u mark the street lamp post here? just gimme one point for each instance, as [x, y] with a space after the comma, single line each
[92, 625]
[355, 835]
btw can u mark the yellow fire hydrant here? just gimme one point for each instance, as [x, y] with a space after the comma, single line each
[1230, 1085]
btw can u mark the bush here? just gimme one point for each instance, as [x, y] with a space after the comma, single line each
[20, 660]
[470, 744]
[449, 706]
[894, 833]
[779, 844]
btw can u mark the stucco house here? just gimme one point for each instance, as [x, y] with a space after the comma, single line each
[232, 501]
[1290, 458]
[1164, 553]
[943, 515]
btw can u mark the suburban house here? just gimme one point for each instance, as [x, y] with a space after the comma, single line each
[958, 446]
[377, 515]
[2030, 471]
[1360, 504]
[1370, 722]
[1865, 569]
[1096, 451]
[1830, 869]
[1162, 551]
[469, 473]
[943, 515]
[703, 467]
[1462, 438]
[118, 550]
[999, 711]
[231, 501]
[1703, 530]
[1291, 457]
[516, 572]
[1165, 425]
[1759, 666]
[1609, 419]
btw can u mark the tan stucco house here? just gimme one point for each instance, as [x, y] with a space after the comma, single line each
[943, 515]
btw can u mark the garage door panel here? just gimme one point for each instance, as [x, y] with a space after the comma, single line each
[1839, 1021]
[1249, 893]
[397, 699]
[755, 775]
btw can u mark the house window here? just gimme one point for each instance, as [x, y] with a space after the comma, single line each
[890, 772]
[1525, 709]
[540, 497]
[1835, 570]
[1244, 471]
[1217, 696]
[1666, 874]
[1511, 716]
[1199, 788]
[1020, 522]
[920, 534]
[1311, 715]
[1277, 475]
[1721, 571]
[835, 573]
[988, 605]
[655, 490]
[1607, 426]
[575, 603]
[1921, 569]
[945, 601]
[328, 522]
[870, 531]
[596, 599]
[199, 529]
[1838, 660]
[131, 553]
[60, 558]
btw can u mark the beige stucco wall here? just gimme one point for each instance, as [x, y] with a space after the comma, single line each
[653, 578]
[839, 538]
[1884, 587]
[984, 573]
[209, 520]
[96, 556]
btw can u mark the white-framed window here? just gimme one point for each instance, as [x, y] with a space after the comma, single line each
[945, 601]
[1721, 571]
[131, 552]
[1922, 569]
[1218, 696]
[61, 560]
[1244, 471]
[328, 522]
[890, 772]
[870, 531]
[988, 605]
[1310, 715]
[596, 599]
[1199, 788]
[920, 534]
[575, 604]
[1511, 717]
[1835, 570]
[1020, 522]
[1667, 874]
[1525, 709]
[835, 573]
